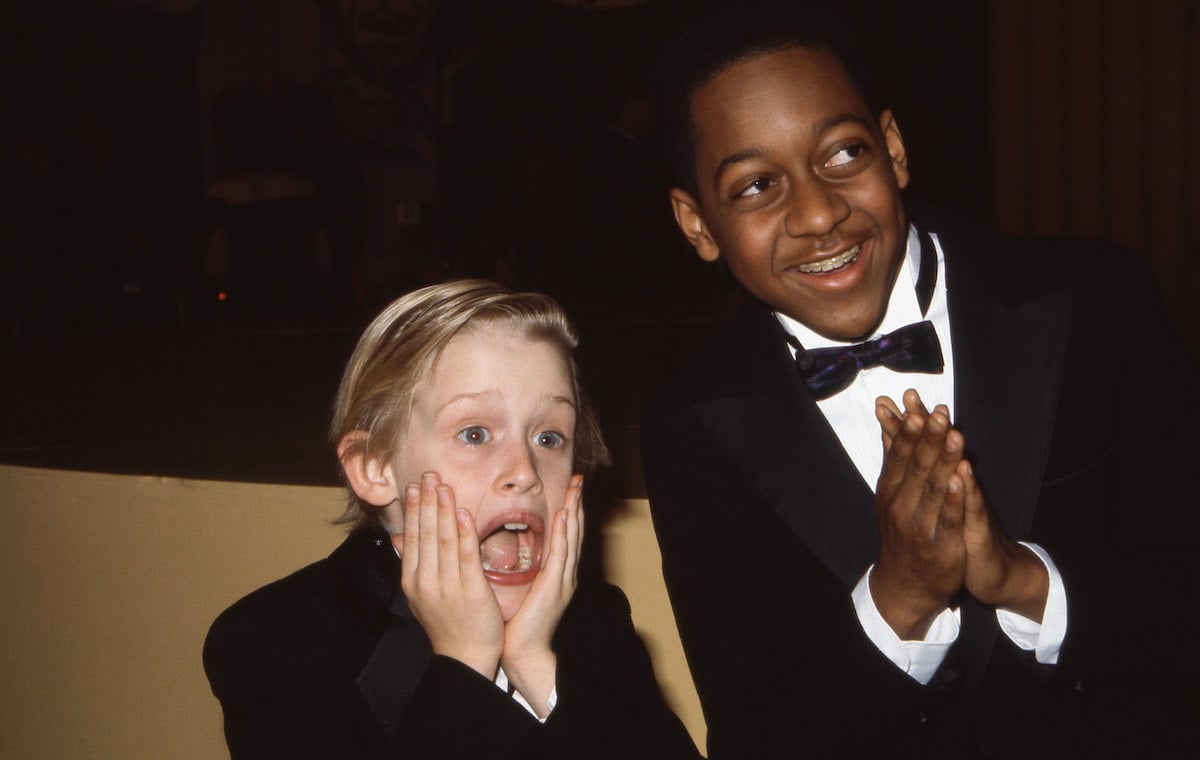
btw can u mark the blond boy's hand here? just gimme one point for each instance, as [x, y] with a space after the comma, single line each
[528, 660]
[443, 579]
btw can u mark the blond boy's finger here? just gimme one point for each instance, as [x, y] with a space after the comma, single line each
[427, 537]
[448, 535]
[411, 553]
[574, 533]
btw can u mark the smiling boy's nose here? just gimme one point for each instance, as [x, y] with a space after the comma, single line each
[814, 209]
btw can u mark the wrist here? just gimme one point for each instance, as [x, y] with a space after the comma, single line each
[1028, 585]
[907, 609]
[533, 677]
[483, 660]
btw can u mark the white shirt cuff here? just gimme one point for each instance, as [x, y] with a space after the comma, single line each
[551, 701]
[919, 659]
[1044, 639]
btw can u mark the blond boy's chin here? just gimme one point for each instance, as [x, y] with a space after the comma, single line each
[510, 599]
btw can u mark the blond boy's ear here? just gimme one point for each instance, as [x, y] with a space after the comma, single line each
[895, 147]
[687, 216]
[370, 477]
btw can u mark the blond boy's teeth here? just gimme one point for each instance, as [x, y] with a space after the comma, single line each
[516, 526]
[524, 562]
[828, 265]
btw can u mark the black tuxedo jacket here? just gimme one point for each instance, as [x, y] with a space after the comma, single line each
[1079, 410]
[330, 663]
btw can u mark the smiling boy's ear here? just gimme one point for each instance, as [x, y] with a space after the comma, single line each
[895, 147]
[687, 216]
[370, 477]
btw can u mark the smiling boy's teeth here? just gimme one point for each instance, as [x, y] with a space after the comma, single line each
[516, 526]
[828, 265]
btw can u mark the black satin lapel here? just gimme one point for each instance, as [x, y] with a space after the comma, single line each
[391, 643]
[1009, 339]
[774, 430]
[394, 669]
[1008, 357]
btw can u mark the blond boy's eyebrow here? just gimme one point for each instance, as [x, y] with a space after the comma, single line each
[475, 396]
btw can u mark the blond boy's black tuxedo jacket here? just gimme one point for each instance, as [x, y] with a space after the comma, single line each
[1080, 413]
[330, 663]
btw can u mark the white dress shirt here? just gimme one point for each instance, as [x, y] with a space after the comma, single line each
[519, 698]
[851, 414]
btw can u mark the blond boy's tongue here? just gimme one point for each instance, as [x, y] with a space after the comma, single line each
[504, 552]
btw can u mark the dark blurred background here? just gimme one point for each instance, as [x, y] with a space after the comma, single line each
[207, 199]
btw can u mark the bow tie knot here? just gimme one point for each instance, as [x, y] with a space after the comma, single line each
[912, 348]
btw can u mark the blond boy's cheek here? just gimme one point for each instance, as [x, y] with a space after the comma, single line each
[392, 517]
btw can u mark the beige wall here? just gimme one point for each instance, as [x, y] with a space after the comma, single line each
[108, 584]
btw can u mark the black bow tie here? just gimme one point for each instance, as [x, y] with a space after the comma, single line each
[913, 348]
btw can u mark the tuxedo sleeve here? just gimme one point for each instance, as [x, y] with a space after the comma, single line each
[457, 714]
[275, 701]
[1117, 510]
[779, 659]
[609, 703]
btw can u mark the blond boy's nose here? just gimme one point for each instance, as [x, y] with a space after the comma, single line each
[520, 471]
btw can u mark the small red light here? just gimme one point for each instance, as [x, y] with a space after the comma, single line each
[221, 296]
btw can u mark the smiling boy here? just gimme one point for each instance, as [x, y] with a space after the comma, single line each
[1010, 574]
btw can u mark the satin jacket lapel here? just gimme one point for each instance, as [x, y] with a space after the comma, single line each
[368, 571]
[1008, 354]
[390, 677]
[769, 424]
[1008, 349]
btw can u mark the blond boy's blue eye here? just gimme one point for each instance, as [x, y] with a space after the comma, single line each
[548, 439]
[474, 435]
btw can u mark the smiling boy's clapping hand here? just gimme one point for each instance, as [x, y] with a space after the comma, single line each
[937, 534]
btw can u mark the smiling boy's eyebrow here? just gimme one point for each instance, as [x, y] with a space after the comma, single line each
[829, 122]
[735, 158]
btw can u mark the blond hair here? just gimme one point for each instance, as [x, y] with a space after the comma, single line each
[401, 345]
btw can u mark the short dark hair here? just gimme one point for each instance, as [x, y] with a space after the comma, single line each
[722, 34]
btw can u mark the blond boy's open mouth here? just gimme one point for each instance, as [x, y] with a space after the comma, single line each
[511, 548]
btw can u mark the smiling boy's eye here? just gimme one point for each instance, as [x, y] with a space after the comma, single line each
[846, 155]
[548, 439]
[759, 185]
[474, 435]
